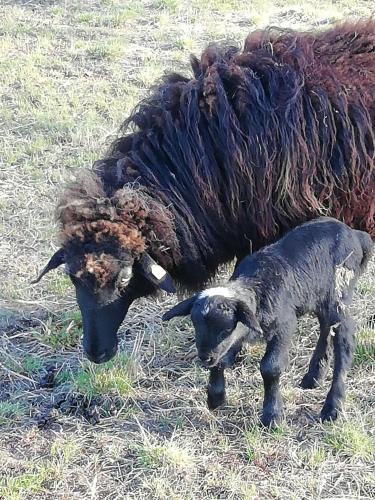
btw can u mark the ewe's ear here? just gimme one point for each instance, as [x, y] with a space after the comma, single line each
[181, 309]
[56, 260]
[155, 273]
[246, 316]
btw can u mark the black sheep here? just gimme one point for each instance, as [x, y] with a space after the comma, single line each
[255, 143]
[312, 269]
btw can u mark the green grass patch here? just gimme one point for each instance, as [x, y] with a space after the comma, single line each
[169, 5]
[252, 437]
[151, 455]
[60, 285]
[365, 348]
[314, 456]
[171, 422]
[150, 73]
[115, 19]
[259, 440]
[64, 448]
[112, 378]
[185, 43]
[64, 376]
[104, 51]
[11, 412]
[366, 287]
[31, 364]
[249, 492]
[223, 6]
[27, 365]
[29, 483]
[63, 332]
[350, 440]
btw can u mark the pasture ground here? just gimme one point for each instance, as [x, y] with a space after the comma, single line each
[70, 71]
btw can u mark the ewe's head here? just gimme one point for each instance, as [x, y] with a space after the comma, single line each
[215, 314]
[104, 246]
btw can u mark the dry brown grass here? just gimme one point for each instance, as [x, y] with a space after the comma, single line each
[139, 427]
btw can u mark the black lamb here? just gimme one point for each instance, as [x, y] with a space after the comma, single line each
[312, 269]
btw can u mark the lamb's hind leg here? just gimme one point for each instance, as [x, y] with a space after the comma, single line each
[319, 362]
[343, 346]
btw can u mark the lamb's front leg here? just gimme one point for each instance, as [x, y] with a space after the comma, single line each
[216, 388]
[271, 367]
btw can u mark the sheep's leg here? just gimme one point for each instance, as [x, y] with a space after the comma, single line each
[216, 388]
[271, 367]
[319, 363]
[343, 348]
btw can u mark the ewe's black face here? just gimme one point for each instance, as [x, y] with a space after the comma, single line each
[214, 319]
[103, 310]
[105, 288]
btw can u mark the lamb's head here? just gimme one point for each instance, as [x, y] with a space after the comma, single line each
[215, 313]
[106, 246]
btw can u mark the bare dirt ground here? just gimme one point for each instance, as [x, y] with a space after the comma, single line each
[138, 427]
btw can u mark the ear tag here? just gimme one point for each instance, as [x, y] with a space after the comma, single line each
[156, 274]
[158, 271]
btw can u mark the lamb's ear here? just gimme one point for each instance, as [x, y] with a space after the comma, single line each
[246, 316]
[56, 260]
[155, 273]
[181, 309]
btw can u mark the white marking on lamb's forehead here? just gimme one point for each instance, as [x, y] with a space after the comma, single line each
[219, 290]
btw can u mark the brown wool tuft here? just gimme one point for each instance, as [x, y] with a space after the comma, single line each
[103, 269]
[130, 216]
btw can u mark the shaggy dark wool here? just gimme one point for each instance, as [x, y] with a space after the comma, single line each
[255, 143]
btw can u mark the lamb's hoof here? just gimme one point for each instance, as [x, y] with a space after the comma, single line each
[309, 382]
[215, 400]
[328, 413]
[271, 419]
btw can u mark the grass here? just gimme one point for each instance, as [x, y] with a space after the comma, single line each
[65, 449]
[261, 442]
[150, 455]
[70, 73]
[365, 348]
[31, 364]
[253, 442]
[62, 332]
[351, 440]
[29, 483]
[10, 412]
[314, 456]
[114, 377]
